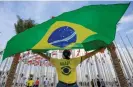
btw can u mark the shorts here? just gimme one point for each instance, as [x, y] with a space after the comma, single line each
[62, 84]
[36, 86]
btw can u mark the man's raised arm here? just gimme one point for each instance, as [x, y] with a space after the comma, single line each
[88, 55]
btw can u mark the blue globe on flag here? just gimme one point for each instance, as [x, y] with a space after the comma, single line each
[62, 37]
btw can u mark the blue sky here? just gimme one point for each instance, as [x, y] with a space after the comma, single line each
[44, 10]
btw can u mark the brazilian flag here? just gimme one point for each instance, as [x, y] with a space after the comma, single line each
[89, 27]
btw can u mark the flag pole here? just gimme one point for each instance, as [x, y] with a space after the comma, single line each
[98, 70]
[123, 63]
[19, 71]
[41, 71]
[129, 41]
[89, 73]
[5, 65]
[22, 70]
[107, 68]
[4, 69]
[95, 70]
[91, 69]
[102, 64]
[125, 58]
[126, 48]
[1, 56]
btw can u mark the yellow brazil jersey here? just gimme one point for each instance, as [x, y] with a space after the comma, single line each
[66, 69]
[30, 83]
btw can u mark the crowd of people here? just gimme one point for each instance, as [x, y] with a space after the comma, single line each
[23, 81]
[30, 82]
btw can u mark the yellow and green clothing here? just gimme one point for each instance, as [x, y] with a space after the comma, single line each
[66, 69]
[30, 83]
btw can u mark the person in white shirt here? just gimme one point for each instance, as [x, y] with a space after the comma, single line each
[46, 83]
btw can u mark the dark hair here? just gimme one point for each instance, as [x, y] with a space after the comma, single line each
[66, 54]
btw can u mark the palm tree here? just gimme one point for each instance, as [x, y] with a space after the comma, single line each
[20, 26]
[23, 25]
[117, 66]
